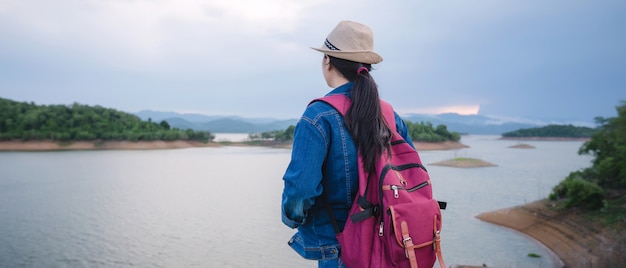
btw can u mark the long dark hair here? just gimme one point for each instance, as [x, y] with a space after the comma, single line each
[365, 119]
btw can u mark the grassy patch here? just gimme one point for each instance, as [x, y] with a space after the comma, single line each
[534, 255]
[612, 214]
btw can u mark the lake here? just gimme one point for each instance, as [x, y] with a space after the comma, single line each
[220, 207]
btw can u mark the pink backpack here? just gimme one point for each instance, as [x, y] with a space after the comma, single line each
[394, 220]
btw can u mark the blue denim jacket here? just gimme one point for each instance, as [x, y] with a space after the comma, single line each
[324, 158]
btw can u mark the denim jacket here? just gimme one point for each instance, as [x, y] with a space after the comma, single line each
[324, 158]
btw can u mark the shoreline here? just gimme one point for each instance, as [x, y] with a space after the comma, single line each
[439, 146]
[543, 139]
[35, 146]
[464, 163]
[576, 241]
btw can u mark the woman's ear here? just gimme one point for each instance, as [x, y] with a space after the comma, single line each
[327, 66]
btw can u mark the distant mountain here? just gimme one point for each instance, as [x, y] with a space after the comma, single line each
[229, 125]
[470, 124]
[158, 116]
[217, 124]
[464, 124]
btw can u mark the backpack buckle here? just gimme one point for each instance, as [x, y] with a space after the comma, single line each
[408, 242]
[436, 239]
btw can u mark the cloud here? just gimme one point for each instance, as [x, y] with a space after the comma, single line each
[143, 33]
[459, 109]
[514, 58]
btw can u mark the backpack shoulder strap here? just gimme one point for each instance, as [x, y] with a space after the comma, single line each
[342, 103]
[389, 115]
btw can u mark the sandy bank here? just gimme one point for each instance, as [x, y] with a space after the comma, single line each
[98, 145]
[420, 146]
[439, 146]
[543, 139]
[464, 163]
[155, 145]
[577, 242]
[522, 146]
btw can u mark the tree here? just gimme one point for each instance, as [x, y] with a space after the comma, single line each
[289, 132]
[568, 131]
[605, 181]
[425, 132]
[27, 121]
[608, 145]
[165, 125]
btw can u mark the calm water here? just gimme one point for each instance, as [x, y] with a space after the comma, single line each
[220, 207]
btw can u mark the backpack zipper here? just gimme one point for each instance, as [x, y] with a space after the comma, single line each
[389, 167]
[380, 186]
[396, 188]
[419, 186]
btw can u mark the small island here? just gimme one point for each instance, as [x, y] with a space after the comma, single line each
[551, 133]
[463, 162]
[522, 146]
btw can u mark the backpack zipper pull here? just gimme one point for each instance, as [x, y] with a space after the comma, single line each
[380, 230]
[395, 190]
[400, 178]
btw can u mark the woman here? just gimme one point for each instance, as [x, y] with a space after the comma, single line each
[324, 155]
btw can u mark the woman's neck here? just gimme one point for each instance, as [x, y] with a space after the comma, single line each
[335, 81]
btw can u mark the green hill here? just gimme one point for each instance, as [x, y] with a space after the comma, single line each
[28, 121]
[560, 131]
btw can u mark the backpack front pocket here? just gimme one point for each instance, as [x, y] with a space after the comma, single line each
[415, 228]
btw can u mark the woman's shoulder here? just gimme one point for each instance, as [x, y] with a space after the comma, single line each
[318, 106]
[319, 113]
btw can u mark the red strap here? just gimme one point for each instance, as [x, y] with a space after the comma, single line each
[409, 249]
[438, 249]
[342, 103]
[338, 101]
[437, 244]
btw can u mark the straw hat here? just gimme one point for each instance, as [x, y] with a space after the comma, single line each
[351, 41]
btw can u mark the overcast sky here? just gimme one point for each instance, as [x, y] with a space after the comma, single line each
[533, 59]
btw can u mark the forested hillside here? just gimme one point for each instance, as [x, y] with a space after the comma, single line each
[28, 121]
[562, 131]
[419, 132]
[605, 181]
[425, 132]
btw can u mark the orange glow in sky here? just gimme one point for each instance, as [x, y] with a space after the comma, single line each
[459, 109]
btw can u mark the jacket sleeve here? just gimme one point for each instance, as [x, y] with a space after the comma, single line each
[302, 179]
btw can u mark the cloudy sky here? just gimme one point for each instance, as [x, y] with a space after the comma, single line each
[532, 59]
